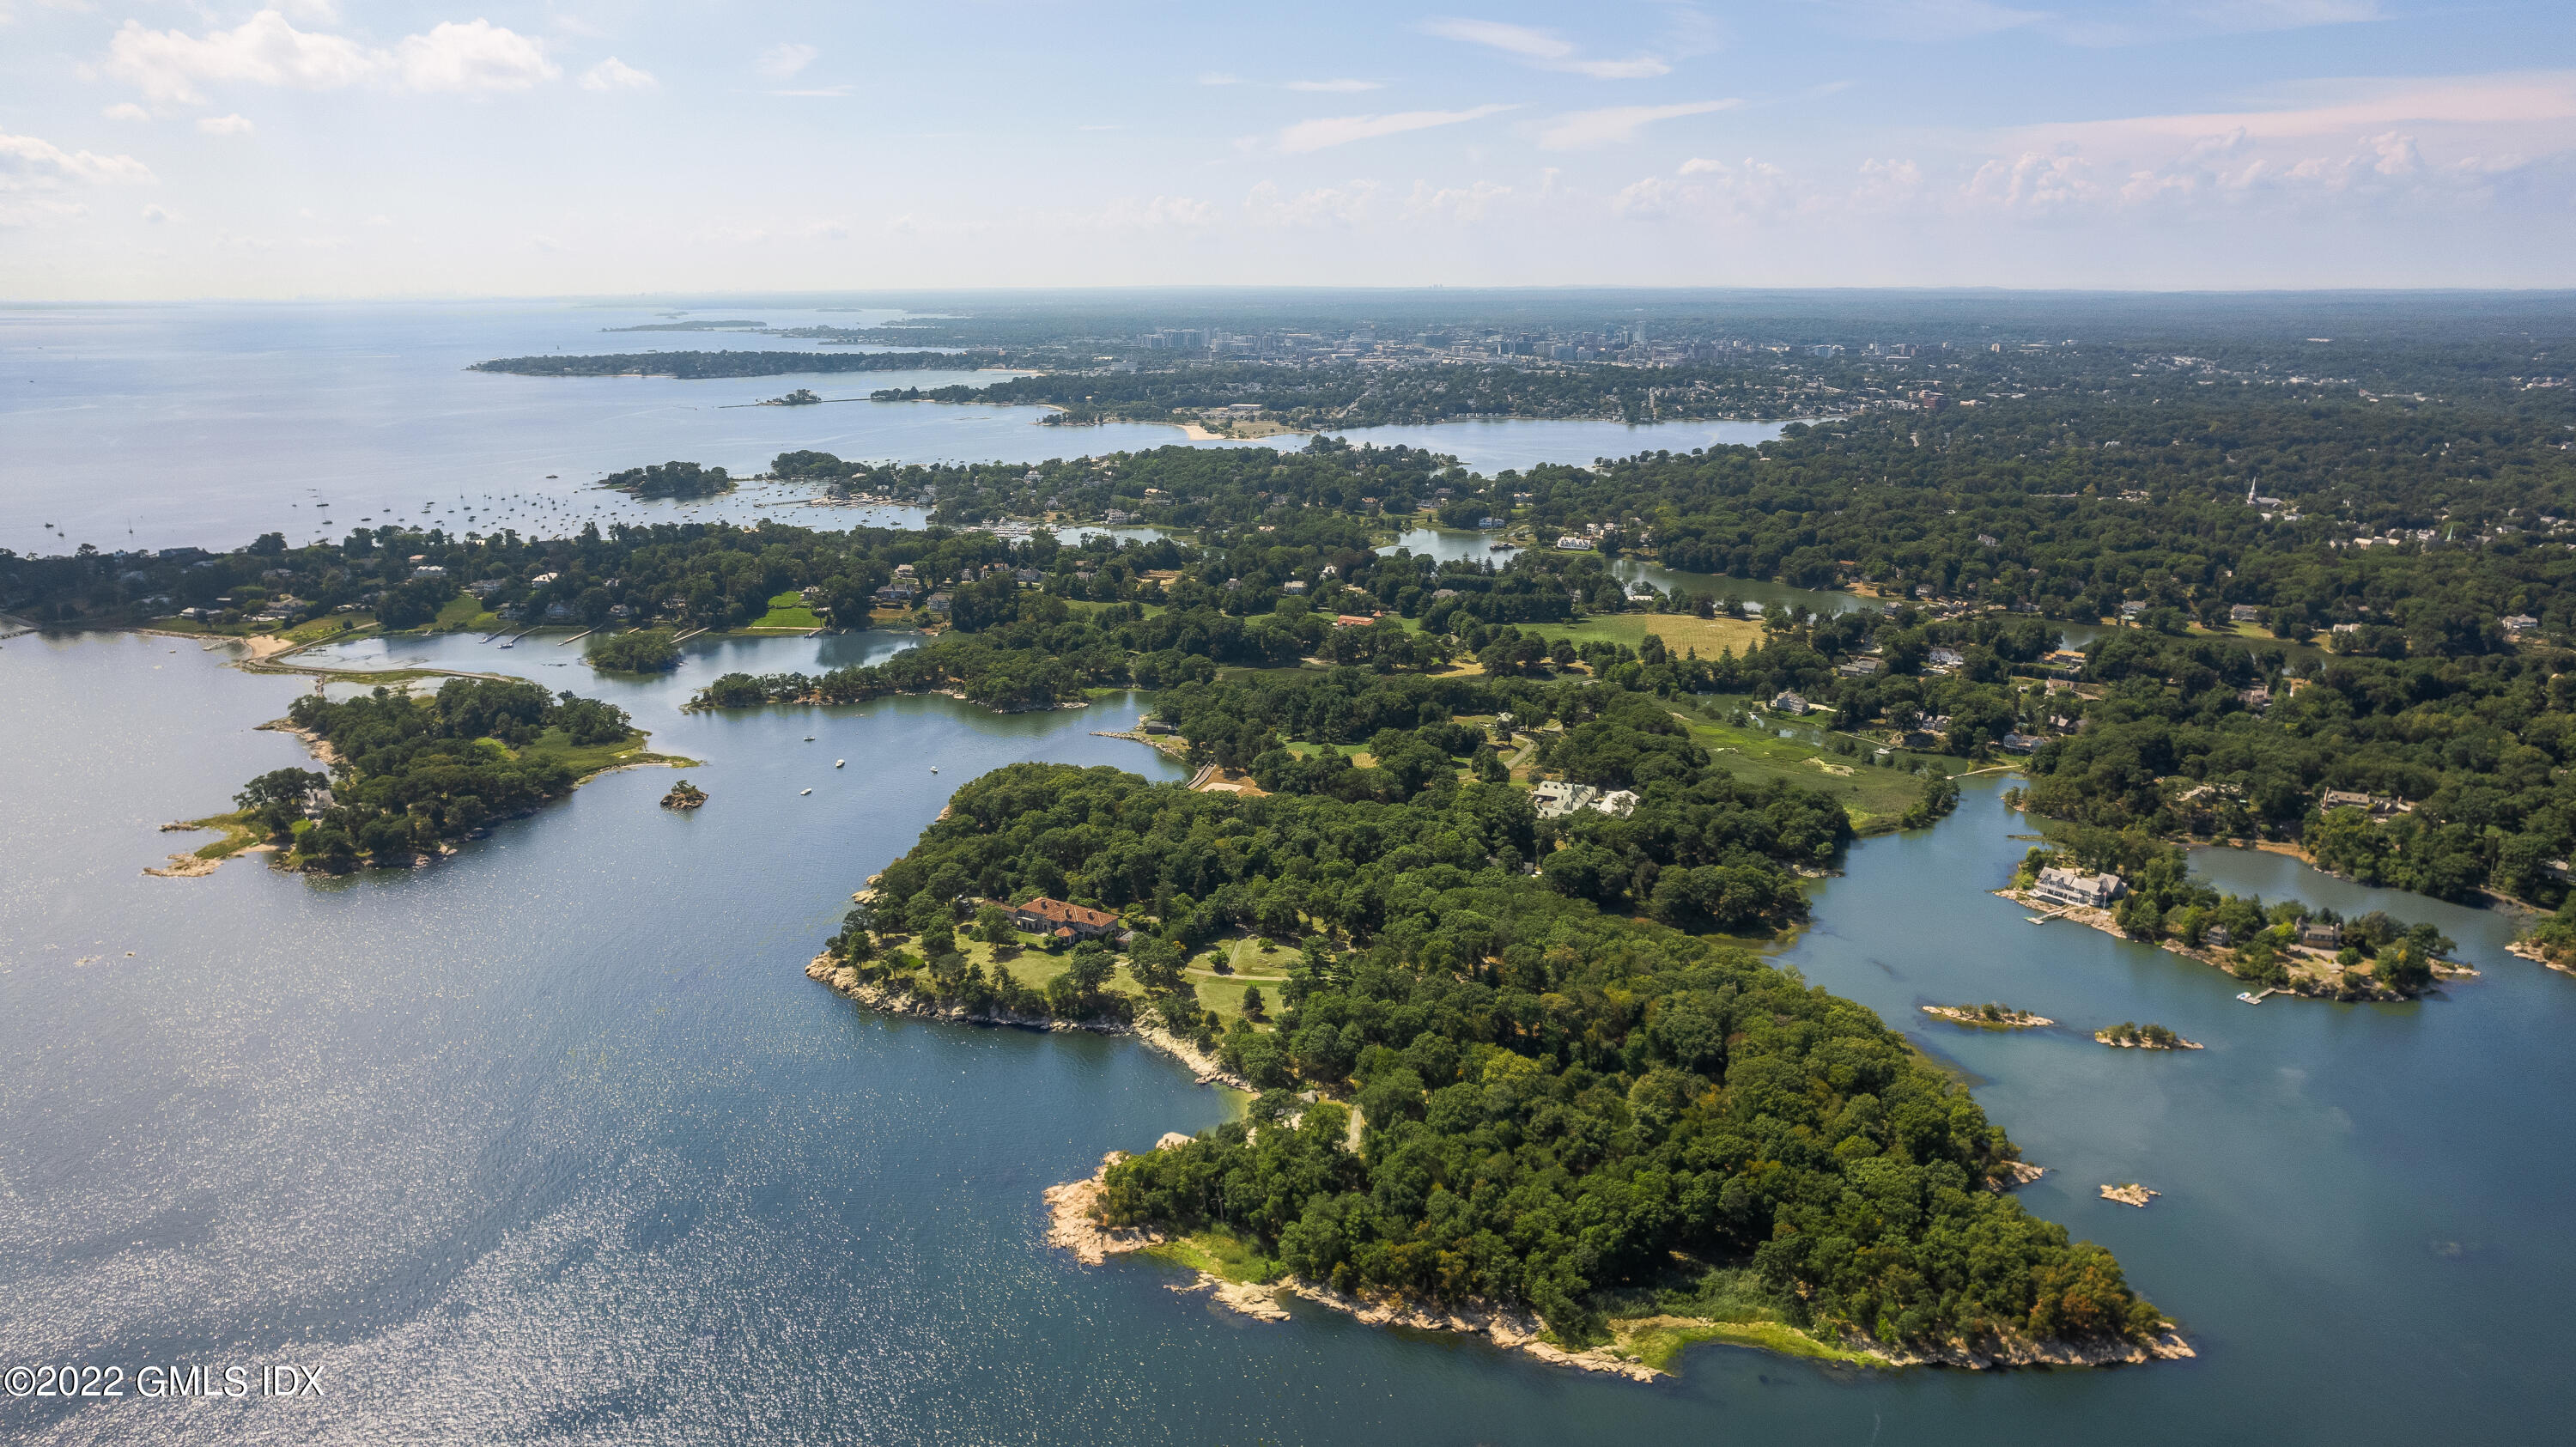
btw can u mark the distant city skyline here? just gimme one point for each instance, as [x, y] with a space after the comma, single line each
[314, 148]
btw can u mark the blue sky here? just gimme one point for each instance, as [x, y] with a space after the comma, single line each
[334, 148]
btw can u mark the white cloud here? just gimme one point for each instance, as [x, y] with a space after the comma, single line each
[1749, 190]
[1336, 85]
[263, 50]
[615, 74]
[171, 65]
[155, 215]
[30, 164]
[1161, 213]
[1543, 48]
[1520, 40]
[2285, 14]
[2538, 101]
[1454, 203]
[1316, 135]
[476, 55]
[126, 111]
[2445, 137]
[232, 125]
[785, 59]
[1932, 20]
[1581, 129]
[1346, 205]
[1887, 185]
[1219, 77]
[2033, 182]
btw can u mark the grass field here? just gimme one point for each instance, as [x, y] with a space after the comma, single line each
[588, 759]
[788, 610]
[237, 832]
[1658, 1341]
[1872, 796]
[463, 613]
[1681, 632]
[1220, 1253]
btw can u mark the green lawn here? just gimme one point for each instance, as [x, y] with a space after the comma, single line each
[1659, 1344]
[588, 759]
[237, 831]
[788, 610]
[1152, 610]
[463, 613]
[1220, 1253]
[1872, 796]
[1681, 632]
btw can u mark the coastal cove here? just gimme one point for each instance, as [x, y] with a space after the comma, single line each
[206, 417]
[600, 1013]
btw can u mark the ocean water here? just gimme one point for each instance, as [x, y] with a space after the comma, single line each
[205, 425]
[553, 1141]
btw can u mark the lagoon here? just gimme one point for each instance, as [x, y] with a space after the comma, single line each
[554, 1140]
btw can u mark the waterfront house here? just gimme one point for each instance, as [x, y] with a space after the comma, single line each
[1788, 703]
[2218, 937]
[1354, 620]
[2319, 935]
[2075, 888]
[936, 602]
[1044, 916]
[2021, 743]
[1575, 543]
[2244, 613]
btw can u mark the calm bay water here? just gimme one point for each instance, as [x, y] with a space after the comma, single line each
[169, 426]
[554, 1141]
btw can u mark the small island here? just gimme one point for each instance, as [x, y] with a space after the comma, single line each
[2129, 1036]
[801, 397]
[684, 795]
[2131, 1194]
[670, 479]
[411, 775]
[1989, 1016]
[645, 650]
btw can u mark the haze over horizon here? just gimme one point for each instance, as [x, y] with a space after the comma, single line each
[314, 149]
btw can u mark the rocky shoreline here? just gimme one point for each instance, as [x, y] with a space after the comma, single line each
[843, 980]
[1073, 1225]
[2008, 1020]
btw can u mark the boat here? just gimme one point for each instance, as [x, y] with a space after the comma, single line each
[809, 738]
[934, 768]
[837, 763]
[2250, 998]
[801, 793]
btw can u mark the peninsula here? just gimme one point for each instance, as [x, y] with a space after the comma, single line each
[1667, 1130]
